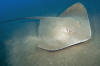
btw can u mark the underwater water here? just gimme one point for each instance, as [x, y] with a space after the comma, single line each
[17, 44]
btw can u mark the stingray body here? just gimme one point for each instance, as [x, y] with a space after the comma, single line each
[72, 27]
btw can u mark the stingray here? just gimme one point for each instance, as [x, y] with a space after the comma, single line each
[69, 28]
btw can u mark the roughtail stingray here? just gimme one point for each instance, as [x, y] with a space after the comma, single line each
[70, 28]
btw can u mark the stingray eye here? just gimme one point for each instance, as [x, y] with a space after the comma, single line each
[66, 30]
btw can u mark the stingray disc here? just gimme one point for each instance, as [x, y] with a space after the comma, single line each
[72, 27]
